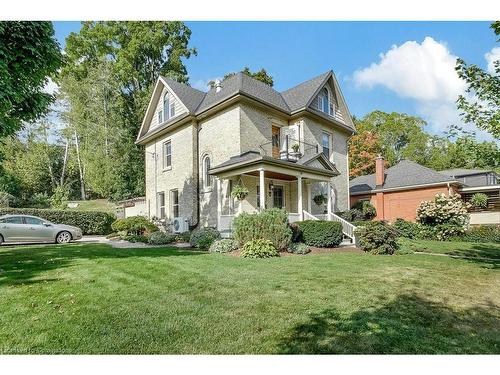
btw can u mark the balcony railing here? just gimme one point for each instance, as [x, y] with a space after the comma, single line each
[288, 149]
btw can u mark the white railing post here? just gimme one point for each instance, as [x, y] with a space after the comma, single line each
[262, 189]
[299, 198]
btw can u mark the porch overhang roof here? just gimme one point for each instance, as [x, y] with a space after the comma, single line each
[252, 161]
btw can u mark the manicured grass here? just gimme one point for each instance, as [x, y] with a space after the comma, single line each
[95, 205]
[465, 249]
[97, 299]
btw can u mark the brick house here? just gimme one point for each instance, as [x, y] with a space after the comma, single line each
[396, 192]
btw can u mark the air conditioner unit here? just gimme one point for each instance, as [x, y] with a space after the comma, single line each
[180, 225]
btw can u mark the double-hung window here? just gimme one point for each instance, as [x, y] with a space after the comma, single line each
[167, 154]
[326, 144]
[174, 203]
[207, 179]
[161, 204]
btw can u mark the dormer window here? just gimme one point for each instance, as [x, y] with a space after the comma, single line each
[166, 106]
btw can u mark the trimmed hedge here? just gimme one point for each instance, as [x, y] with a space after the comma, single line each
[321, 233]
[203, 237]
[270, 224]
[90, 222]
[160, 238]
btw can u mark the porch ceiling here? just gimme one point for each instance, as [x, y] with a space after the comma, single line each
[274, 175]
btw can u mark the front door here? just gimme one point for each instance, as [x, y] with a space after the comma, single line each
[278, 197]
[276, 142]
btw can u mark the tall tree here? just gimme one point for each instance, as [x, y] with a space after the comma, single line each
[364, 147]
[483, 109]
[260, 75]
[29, 55]
[114, 65]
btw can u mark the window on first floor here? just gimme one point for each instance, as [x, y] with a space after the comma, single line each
[160, 201]
[174, 203]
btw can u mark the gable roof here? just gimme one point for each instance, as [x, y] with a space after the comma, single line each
[298, 97]
[189, 96]
[406, 173]
[459, 172]
[321, 158]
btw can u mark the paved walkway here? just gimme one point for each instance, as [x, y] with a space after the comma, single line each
[124, 244]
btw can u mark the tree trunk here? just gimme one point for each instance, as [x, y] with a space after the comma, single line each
[65, 162]
[82, 183]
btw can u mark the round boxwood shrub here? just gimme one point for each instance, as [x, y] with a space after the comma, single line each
[377, 237]
[259, 249]
[203, 237]
[321, 233]
[298, 248]
[225, 245]
[479, 200]
[160, 238]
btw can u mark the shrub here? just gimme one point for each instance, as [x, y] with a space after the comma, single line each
[479, 200]
[298, 248]
[135, 238]
[270, 224]
[134, 225]
[259, 249]
[160, 238]
[225, 245]
[481, 233]
[407, 229]
[296, 233]
[321, 233]
[90, 222]
[184, 237]
[378, 237]
[407, 246]
[203, 237]
[39, 200]
[366, 208]
[443, 210]
[60, 197]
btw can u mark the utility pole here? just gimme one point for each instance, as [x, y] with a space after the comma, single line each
[82, 184]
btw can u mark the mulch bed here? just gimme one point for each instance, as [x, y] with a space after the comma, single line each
[314, 251]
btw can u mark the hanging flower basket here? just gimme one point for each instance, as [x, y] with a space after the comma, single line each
[320, 199]
[239, 192]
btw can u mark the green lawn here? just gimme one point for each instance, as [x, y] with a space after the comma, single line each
[97, 299]
[464, 249]
[95, 205]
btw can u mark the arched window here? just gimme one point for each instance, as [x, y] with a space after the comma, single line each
[323, 102]
[166, 107]
[207, 179]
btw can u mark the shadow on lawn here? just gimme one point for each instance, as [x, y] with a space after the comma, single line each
[408, 324]
[491, 256]
[21, 264]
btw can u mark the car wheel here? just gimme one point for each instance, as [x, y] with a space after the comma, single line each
[63, 237]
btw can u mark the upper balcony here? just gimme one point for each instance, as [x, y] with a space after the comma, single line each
[287, 148]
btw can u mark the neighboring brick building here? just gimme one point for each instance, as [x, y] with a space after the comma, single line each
[397, 192]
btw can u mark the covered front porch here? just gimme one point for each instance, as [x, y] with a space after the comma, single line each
[273, 183]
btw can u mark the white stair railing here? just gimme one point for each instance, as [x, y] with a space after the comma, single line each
[347, 228]
[308, 216]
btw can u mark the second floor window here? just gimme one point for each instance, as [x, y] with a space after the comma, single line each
[167, 154]
[207, 179]
[326, 144]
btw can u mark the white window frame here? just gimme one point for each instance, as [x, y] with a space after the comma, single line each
[172, 108]
[161, 208]
[166, 106]
[160, 117]
[329, 135]
[166, 164]
[174, 206]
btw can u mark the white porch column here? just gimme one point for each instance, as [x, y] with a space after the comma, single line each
[262, 189]
[219, 203]
[309, 197]
[299, 198]
[329, 194]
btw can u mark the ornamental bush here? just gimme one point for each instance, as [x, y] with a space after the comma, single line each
[160, 238]
[480, 233]
[225, 245]
[90, 222]
[444, 210]
[479, 200]
[135, 238]
[377, 237]
[203, 237]
[407, 229]
[321, 233]
[269, 224]
[298, 248]
[259, 249]
[137, 225]
[366, 208]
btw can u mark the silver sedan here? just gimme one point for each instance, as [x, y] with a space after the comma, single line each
[24, 228]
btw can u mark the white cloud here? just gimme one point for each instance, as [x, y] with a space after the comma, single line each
[203, 84]
[491, 57]
[51, 87]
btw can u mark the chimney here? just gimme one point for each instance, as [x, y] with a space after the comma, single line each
[379, 171]
[218, 85]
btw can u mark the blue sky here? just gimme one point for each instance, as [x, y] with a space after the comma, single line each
[415, 77]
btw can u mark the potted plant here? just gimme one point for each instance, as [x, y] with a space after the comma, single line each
[239, 192]
[320, 199]
[295, 154]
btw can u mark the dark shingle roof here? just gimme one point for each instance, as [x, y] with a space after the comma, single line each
[246, 156]
[405, 173]
[459, 172]
[189, 96]
[297, 97]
